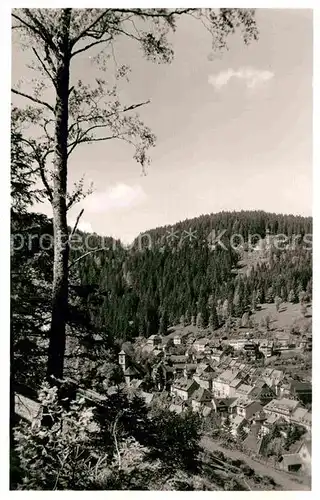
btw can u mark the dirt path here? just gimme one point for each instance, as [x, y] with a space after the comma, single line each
[281, 478]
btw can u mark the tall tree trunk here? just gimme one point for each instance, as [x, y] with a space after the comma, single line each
[59, 203]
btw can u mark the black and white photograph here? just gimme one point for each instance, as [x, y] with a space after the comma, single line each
[161, 248]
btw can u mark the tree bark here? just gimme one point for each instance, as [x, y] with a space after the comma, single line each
[57, 341]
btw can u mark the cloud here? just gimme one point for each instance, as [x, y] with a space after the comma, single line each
[82, 226]
[250, 76]
[115, 197]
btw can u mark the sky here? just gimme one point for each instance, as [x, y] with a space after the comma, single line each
[234, 132]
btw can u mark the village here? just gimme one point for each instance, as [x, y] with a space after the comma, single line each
[236, 387]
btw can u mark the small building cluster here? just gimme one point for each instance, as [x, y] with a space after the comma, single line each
[252, 400]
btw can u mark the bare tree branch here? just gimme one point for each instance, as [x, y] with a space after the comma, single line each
[97, 42]
[86, 30]
[76, 224]
[155, 12]
[45, 182]
[85, 255]
[44, 67]
[40, 31]
[33, 99]
[45, 35]
[82, 136]
[41, 162]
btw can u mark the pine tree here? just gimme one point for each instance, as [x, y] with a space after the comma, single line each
[270, 295]
[292, 297]
[199, 321]
[277, 301]
[163, 327]
[254, 301]
[213, 319]
[225, 309]
[245, 320]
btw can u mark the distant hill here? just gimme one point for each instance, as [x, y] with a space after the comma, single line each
[201, 270]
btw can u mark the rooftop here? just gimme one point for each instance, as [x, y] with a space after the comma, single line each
[228, 375]
[147, 396]
[282, 405]
[244, 389]
[236, 420]
[201, 395]
[131, 370]
[203, 341]
[154, 337]
[235, 382]
[184, 383]
[242, 402]
[299, 414]
[175, 358]
[176, 408]
[206, 410]
[291, 459]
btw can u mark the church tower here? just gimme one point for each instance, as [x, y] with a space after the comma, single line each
[122, 360]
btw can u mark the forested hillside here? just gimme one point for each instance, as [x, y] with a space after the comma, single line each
[173, 271]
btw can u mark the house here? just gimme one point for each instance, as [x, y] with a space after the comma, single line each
[216, 355]
[136, 383]
[177, 340]
[306, 342]
[301, 416]
[308, 346]
[205, 379]
[300, 461]
[201, 344]
[154, 340]
[221, 386]
[221, 405]
[234, 386]
[196, 357]
[283, 389]
[184, 388]
[162, 374]
[178, 369]
[245, 407]
[262, 392]
[237, 423]
[189, 370]
[199, 397]
[237, 344]
[251, 348]
[206, 409]
[243, 390]
[204, 368]
[258, 418]
[266, 348]
[177, 408]
[273, 378]
[282, 408]
[290, 462]
[281, 344]
[157, 353]
[177, 359]
[207, 352]
[301, 391]
[130, 373]
[305, 454]
[274, 420]
[147, 397]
